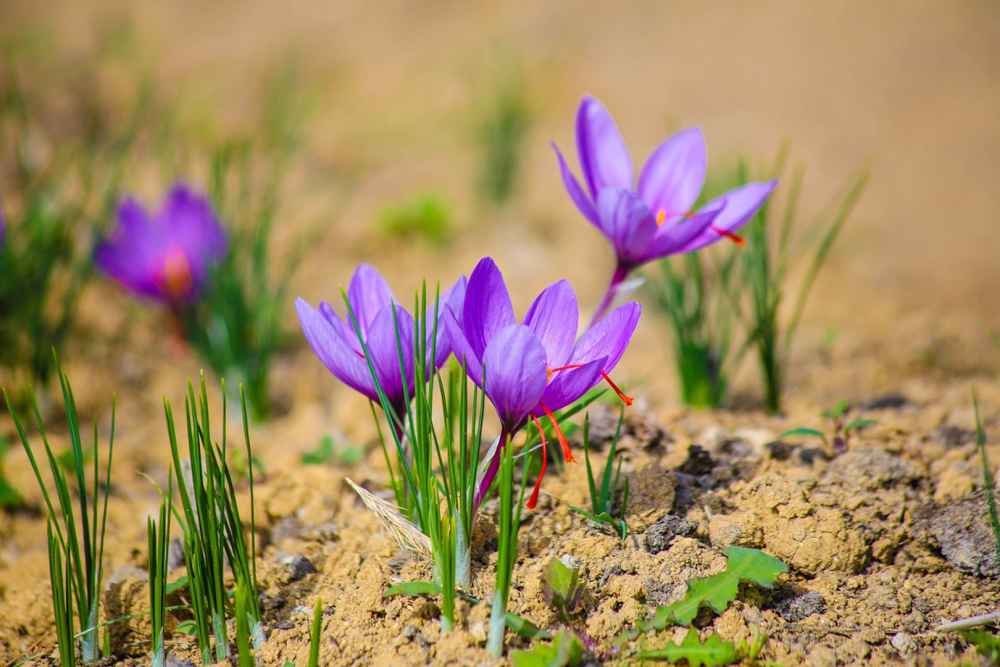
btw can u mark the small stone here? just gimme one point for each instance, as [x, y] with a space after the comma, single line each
[802, 606]
[478, 631]
[571, 561]
[667, 527]
[299, 567]
[903, 643]
[406, 636]
[823, 656]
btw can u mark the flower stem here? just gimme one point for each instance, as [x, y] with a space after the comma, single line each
[621, 272]
[490, 474]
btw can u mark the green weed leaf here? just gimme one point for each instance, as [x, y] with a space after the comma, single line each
[566, 650]
[803, 431]
[712, 653]
[717, 591]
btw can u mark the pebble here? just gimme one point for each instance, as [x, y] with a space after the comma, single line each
[903, 643]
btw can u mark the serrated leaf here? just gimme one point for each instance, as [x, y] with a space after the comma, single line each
[804, 431]
[717, 591]
[566, 650]
[713, 653]
[858, 423]
[413, 588]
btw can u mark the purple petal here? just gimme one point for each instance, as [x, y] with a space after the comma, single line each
[459, 344]
[454, 296]
[604, 157]
[341, 328]
[671, 239]
[554, 317]
[674, 174]
[188, 220]
[368, 294]
[627, 222]
[452, 300]
[336, 355]
[515, 373]
[741, 205]
[487, 307]
[576, 193]
[133, 252]
[569, 385]
[609, 337]
[385, 338]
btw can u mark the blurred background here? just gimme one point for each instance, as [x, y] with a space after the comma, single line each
[404, 98]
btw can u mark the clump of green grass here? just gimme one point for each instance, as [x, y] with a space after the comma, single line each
[212, 527]
[602, 498]
[840, 428]
[502, 127]
[75, 536]
[158, 534]
[425, 217]
[60, 186]
[10, 497]
[237, 324]
[726, 302]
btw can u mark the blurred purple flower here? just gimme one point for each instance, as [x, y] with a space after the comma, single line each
[165, 256]
[652, 218]
[537, 367]
[335, 341]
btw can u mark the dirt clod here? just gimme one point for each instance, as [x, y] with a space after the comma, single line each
[802, 606]
[962, 532]
[659, 536]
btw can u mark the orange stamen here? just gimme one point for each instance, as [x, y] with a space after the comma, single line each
[561, 368]
[533, 500]
[176, 276]
[662, 216]
[568, 455]
[627, 400]
[738, 240]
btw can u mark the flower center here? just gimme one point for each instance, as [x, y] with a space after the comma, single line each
[627, 400]
[176, 277]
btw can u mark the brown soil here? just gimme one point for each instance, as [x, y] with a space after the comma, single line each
[884, 542]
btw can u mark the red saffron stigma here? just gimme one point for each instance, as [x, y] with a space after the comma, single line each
[627, 400]
[533, 500]
[568, 455]
[738, 240]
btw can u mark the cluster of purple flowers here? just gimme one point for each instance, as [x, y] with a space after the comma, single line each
[536, 366]
[531, 368]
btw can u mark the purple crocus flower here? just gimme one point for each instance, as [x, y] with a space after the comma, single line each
[335, 341]
[535, 367]
[652, 218]
[165, 256]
